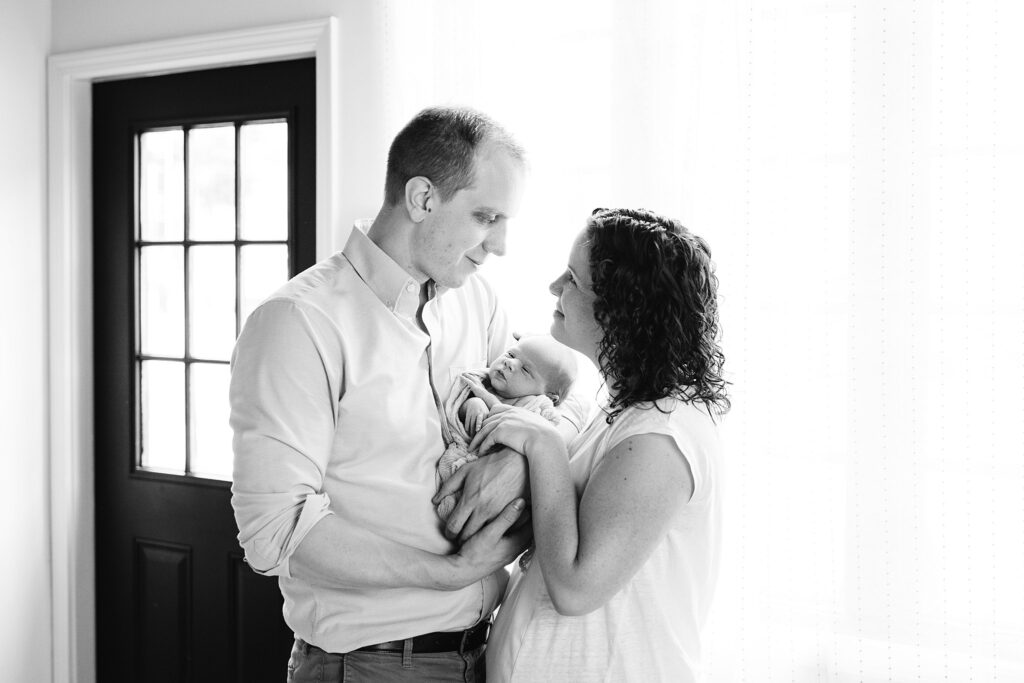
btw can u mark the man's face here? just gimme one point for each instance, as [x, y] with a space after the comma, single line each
[457, 235]
[523, 370]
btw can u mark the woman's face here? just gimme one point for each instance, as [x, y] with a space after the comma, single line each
[574, 324]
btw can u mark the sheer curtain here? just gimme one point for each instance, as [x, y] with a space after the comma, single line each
[855, 167]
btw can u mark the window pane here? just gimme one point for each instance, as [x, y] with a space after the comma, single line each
[162, 300]
[162, 185]
[211, 183]
[264, 268]
[211, 435]
[163, 415]
[211, 301]
[263, 165]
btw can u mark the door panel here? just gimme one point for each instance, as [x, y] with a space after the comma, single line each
[175, 600]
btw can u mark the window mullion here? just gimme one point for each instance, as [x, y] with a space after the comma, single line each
[238, 236]
[188, 332]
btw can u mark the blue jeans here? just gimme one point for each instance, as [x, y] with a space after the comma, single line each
[310, 664]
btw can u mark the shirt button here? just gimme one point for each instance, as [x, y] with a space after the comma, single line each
[411, 288]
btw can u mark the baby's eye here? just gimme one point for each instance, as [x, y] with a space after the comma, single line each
[487, 218]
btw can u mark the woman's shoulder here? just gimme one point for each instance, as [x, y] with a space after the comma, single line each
[667, 413]
[689, 424]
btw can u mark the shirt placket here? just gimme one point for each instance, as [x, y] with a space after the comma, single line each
[432, 325]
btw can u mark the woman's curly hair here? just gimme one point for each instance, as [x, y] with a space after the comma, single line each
[657, 305]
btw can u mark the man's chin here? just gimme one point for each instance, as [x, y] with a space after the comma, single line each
[452, 280]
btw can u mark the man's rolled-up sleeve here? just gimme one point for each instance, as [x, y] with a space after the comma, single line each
[285, 377]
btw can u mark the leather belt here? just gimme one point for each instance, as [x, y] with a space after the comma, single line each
[441, 641]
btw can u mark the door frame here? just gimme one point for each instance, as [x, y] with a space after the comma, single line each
[71, 409]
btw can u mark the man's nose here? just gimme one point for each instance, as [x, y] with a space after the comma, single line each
[495, 242]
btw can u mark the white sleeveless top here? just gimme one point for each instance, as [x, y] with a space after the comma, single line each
[650, 629]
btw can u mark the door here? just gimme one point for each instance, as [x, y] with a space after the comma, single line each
[204, 202]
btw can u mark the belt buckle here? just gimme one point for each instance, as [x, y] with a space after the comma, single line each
[471, 633]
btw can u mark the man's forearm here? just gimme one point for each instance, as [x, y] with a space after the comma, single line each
[334, 553]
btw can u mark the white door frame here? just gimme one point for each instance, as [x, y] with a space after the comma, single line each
[71, 452]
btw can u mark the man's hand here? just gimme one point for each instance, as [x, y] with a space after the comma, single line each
[488, 486]
[494, 546]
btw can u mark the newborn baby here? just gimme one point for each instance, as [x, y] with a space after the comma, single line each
[535, 374]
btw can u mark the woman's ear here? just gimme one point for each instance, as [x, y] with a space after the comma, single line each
[419, 194]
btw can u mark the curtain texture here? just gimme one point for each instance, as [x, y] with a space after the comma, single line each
[856, 168]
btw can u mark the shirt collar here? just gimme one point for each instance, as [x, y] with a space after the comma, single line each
[399, 292]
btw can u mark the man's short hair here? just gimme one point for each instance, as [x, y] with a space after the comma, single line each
[440, 143]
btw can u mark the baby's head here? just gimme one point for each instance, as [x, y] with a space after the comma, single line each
[535, 365]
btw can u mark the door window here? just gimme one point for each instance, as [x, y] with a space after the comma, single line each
[211, 243]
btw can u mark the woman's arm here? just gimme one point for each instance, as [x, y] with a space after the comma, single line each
[587, 551]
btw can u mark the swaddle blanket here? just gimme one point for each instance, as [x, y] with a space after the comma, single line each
[457, 453]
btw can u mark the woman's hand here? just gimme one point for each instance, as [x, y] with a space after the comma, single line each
[492, 547]
[519, 429]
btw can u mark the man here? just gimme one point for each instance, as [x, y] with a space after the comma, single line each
[336, 385]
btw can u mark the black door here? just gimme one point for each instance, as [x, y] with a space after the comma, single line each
[204, 201]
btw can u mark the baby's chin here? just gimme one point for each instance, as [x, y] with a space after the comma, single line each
[498, 384]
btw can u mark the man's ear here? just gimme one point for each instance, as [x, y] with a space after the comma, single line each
[419, 197]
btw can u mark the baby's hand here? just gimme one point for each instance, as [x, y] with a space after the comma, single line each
[475, 385]
[475, 412]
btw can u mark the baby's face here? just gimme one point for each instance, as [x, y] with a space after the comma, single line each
[521, 371]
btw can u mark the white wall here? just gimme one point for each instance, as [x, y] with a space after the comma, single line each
[87, 24]
[25, 632]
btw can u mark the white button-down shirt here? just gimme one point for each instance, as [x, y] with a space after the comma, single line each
[334, 412]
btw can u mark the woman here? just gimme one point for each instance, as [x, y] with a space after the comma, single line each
[626, 520]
